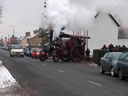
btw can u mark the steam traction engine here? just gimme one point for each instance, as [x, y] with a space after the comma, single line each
[69, 47]
[66, 47]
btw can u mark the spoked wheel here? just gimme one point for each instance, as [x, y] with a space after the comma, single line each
[121, 77]
[55, 56]
[65, 58]
[77, 54]
[43, 55]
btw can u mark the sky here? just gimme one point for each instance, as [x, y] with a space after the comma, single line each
[26, 15]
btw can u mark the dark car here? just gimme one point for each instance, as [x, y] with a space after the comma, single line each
[27, 52]
[108, 63]
[122, 66]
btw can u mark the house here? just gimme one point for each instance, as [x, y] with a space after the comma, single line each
[35, 40]
[38, 38]
[23, 39]
[104, 31]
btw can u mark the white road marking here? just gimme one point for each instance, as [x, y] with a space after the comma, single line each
[60, 71]
[44, 64]
[95, 83]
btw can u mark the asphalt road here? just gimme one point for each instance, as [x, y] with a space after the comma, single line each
[62, 79]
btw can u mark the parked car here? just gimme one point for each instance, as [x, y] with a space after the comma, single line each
[122, 66]
[108, 63]
[38, 50]
[27, 52]
[16, 50]
[5, 47]
[35, 52]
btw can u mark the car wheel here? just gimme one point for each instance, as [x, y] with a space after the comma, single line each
[113, 74]
[22, 55]
[102, 71]
[121, 77]
[11, 55]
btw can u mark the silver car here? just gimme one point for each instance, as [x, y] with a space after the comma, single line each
[108, 63]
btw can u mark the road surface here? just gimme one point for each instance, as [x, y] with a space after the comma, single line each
[62, 79]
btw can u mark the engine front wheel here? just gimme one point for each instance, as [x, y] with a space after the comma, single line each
[42, 56]
[65, 58]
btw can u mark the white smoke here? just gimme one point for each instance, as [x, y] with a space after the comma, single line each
[75, 15]
[121, 13]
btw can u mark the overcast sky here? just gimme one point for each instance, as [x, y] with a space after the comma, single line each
[26, 15]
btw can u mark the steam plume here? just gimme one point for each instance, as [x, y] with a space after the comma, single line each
[75, 15]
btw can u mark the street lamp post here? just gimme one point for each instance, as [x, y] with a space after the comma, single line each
[13, 29]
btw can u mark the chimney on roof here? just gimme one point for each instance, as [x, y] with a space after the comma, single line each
[27, 34]
[36, 31]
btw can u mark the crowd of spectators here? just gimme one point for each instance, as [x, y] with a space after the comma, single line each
[117, 48]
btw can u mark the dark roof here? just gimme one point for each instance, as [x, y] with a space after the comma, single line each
[111, 16]
[114, 20]
[72, 36]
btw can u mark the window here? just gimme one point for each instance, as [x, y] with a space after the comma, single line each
[122, 57]
[126, 59]
[105, 56]
[109, 56]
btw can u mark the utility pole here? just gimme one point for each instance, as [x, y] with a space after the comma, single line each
[13, 29]
[87, 39]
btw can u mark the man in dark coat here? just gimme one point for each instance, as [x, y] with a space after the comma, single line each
[88, 54]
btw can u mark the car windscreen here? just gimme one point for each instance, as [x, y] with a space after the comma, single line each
[38, 50]
[17, 47]
[116, 56]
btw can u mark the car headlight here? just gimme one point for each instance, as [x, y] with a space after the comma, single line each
[12, 52]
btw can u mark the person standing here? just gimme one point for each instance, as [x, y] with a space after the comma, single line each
[104, 47]
[88, 54]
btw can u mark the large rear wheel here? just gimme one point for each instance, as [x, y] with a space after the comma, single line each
[77, 53]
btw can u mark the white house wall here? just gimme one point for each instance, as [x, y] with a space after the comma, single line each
[104, 31]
